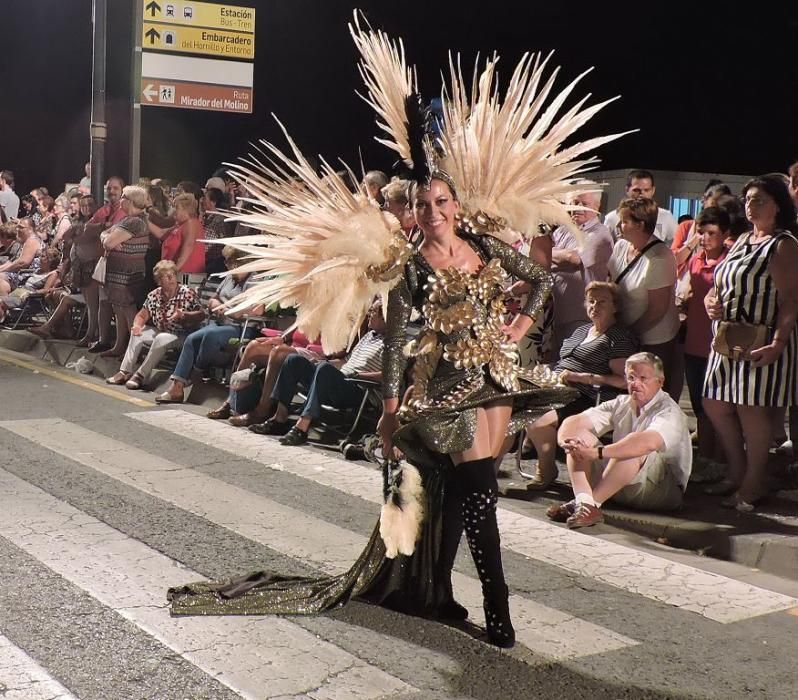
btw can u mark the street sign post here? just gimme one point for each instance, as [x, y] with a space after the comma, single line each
[191, 55]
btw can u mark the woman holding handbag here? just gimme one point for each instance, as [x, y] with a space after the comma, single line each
[751, 369]
[645, 271]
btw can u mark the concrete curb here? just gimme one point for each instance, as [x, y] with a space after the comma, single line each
[766, 539]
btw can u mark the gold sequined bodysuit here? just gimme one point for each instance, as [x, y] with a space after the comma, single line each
[462, 359]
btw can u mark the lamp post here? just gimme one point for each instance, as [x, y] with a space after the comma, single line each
[98, 127]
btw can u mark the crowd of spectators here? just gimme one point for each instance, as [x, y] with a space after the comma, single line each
[641, 305]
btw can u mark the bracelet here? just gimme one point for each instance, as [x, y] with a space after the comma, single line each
[600, 449]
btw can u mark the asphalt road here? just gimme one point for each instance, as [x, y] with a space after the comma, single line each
[104, 503]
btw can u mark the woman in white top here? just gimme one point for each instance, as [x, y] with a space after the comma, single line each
[645, 270]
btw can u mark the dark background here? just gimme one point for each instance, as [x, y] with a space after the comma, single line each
[711, 90]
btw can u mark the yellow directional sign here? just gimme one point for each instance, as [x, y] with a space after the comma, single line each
[211, 42]
[201, 14]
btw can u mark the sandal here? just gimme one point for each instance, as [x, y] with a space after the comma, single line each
[135, 382]
[166, 397]
[224, 411]
[294, 437]
[246, 419]
[735, 501]
[118, 379]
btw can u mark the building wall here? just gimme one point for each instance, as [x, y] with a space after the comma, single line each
[669, 184]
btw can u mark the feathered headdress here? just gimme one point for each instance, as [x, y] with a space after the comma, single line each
[507, 159]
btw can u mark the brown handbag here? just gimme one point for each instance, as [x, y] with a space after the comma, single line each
[736, 339]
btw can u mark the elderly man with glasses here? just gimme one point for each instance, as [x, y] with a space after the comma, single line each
[647, 464]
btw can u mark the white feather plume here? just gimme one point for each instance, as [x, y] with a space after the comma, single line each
[401, 518]
[508, 156]
[388, 80]
[319, 240]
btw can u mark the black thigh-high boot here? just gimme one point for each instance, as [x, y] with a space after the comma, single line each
[451, 533]
[480, 495]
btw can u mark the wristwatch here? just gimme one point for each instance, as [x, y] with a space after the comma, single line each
[600, 449]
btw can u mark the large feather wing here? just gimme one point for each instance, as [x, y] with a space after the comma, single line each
[322, 246]
[509, 158]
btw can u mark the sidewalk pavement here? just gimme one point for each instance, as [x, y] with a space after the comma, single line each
[766, 539]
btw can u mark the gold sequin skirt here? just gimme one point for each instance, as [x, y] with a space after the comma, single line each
[446, 427]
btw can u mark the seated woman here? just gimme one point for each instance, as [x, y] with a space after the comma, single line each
[37, 284]
[27, 258]
[179, 243]
[170, 311]
[204, 347]
[592, 360]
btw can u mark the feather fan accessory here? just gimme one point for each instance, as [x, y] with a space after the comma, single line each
[403, 511]
[323, 249]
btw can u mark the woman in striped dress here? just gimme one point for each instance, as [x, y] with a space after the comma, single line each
[755, 284]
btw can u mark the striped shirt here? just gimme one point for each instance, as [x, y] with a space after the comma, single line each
[748, 293]
[594, 356]
[366, 356]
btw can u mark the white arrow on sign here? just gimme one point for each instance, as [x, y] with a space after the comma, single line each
[149, 92]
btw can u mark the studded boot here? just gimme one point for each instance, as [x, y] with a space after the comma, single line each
[480, 496]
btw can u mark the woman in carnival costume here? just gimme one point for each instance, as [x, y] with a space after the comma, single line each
[497, 172]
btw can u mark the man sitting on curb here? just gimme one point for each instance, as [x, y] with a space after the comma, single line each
[648, 463]
[326, 383]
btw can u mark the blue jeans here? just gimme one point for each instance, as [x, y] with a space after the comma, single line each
[326, 385]
[204, 348]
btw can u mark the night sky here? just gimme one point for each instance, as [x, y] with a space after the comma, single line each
[710, 90]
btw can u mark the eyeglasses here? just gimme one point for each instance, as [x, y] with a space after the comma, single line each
[631, 378]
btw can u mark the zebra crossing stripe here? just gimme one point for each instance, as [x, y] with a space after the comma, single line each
[550, 633]
[21, 678]
[711, 595]
[131, 578]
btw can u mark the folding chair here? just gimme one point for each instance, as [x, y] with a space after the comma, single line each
[334, 421]
[32, 311]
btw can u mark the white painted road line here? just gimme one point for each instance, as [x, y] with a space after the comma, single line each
[21, 678]
[551, 633]
[247, 654]
[711, 595]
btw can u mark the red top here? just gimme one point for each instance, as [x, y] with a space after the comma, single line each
[108, 214]
[699, 327]
[170, 249]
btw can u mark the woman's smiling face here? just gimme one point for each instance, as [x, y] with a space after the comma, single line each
[435, 208]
